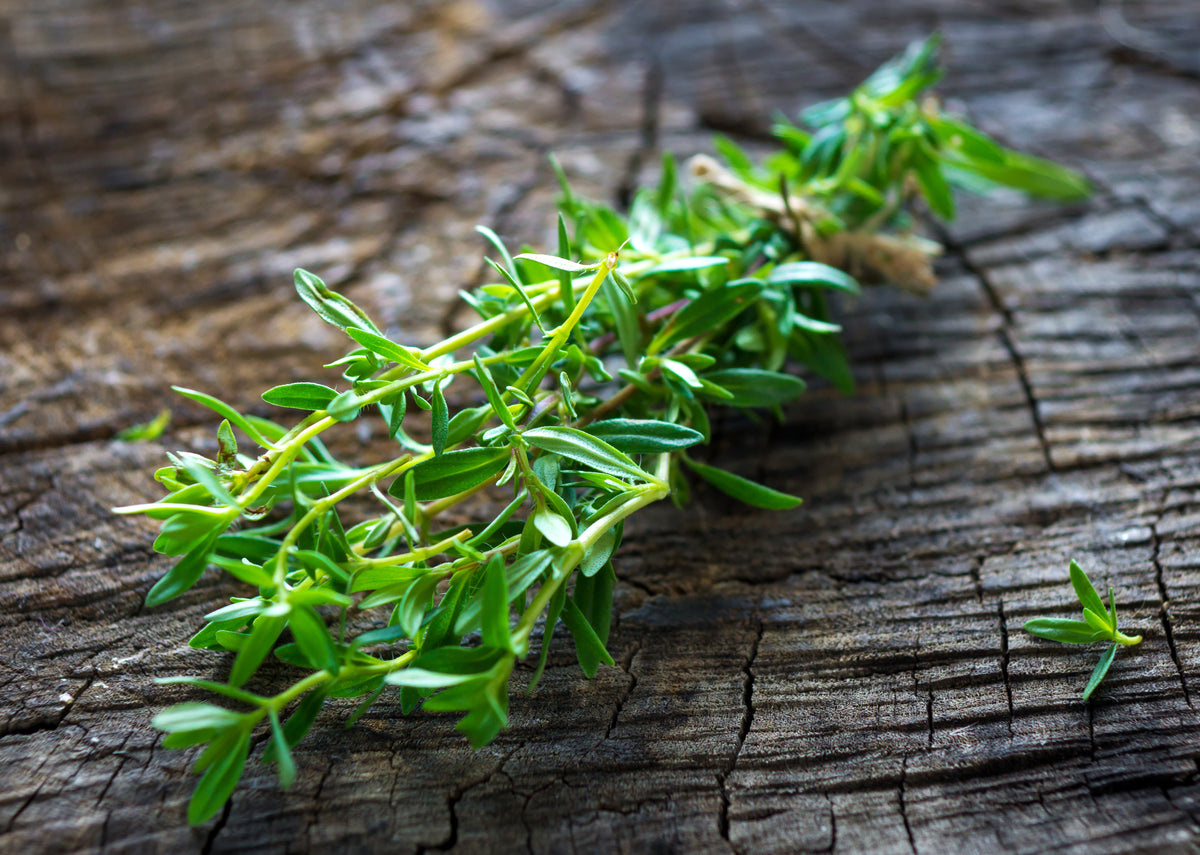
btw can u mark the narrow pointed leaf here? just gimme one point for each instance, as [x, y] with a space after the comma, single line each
[283, 752]
[183, 575]
[557, 263]
[1099, 671]
[300, 396]
[228, 412]
[743, 489]
[388, 349]
[494, 614]
[441, 420]
[588, 646]
[1088, 597]
[589, 450]
[644, 436]
[332, 307]
[1065, 631]
[454, 472]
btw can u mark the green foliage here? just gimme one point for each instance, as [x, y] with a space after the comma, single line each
[142, 431]
[577, 394]
[1098, 624]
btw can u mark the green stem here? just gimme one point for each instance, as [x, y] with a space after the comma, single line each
[650, 494]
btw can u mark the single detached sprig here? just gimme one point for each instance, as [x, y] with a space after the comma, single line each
[572, 403]
[1098, 624]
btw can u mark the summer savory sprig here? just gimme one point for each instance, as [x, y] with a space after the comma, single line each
[573, 401]
[1098, 624]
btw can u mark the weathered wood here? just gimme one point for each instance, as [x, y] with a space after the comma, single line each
[847, 677]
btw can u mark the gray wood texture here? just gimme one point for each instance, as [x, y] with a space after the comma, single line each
[847, 677]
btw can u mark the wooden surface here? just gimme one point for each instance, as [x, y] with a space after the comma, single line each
[848, 677]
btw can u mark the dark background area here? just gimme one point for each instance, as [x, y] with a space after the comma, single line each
[847, 677]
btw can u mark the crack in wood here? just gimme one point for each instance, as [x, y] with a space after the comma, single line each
[1164, 611]
[210, 839]
[743, 730]
[903, 792]
[1004, 665]
[627, 667]
[1004, 333]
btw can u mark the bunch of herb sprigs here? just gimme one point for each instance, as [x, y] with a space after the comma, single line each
[591, 370]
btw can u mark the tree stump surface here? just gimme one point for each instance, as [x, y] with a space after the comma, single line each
[849, 677]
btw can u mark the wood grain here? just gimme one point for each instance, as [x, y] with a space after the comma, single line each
[847, 677]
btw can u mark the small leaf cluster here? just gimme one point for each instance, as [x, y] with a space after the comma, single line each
[1098, 624]
[869, 152]
[573, 402]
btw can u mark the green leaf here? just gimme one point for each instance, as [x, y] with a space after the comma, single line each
[679, 371]
[743, 489]
[588, 646]
[625, 319]
[144, 431]
[734, 155]
[566, 287]
[395, 417]
[441, 420]
[458, 670]
[220, 777]
[825, 355]
[416, 602]
[601, 551]
[520, 575]
[300, 396]
[963, 139]
[345, 406]
[181, 532]
[594, 596]
[755, 387]
[813, 325]
[1084, 590]
[454, 472]
[516, 283]
[812, 274]
[665, 193]
[494, 240]
[1066, 631]
[331, 306]
[263, 635]
[1032, 175]
[579, 446]
[557, 263]
[708, 312]
[553, 611]
[194, 715]
[228, 412]
[934, 187]
[488, 383]
[313, 639]
[208, 479]
[494, 610]
[388, 349]
[644, 436]
[553, 527]
[283, 752]
[440, 629]
[298, 722]
[1096, 621]
[680, 265]
[466, 422]
[227, 447]
[1099, 671]
[183, 575]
